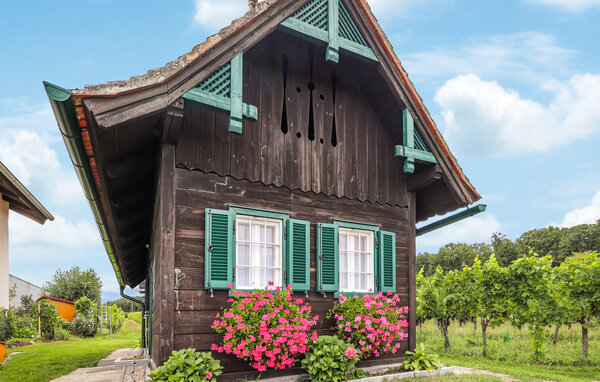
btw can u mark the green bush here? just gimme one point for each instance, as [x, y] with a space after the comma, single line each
[49, 319]
[421, 359]
[8, 326]
[13, 341]
[85, 307]
[84, 327]
[62, 334]
[188, 365]
[115, 317]
[331, 359]
[66, 325]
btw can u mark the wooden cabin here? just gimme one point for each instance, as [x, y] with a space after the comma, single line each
[271, 151]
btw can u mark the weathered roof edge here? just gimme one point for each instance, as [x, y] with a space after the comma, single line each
[159, 76]
[25, 193]
[418, 100]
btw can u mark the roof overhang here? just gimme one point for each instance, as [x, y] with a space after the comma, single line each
[20, 199]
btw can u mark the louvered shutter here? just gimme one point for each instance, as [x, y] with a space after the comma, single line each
[298, 249]
[327, 258]
[219, 249]
[386, 253]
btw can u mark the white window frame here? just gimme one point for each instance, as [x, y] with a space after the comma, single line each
[350, 271]
[256, 245]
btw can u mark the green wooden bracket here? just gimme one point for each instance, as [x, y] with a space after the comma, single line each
[329, 22]
[223, 91]
[408, 149]
[237, 84]
[333, 50]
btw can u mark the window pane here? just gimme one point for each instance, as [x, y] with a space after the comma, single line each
[355, 242]
[358, 262]
[363, 243]
[363, 282]
[270, 273]
[344, 281]
[343, 261]
[270, 256]
[243, 254]
[270, 232]
[243, 231]
[343, 241]
[243, 277]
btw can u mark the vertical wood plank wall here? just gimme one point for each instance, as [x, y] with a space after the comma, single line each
[281, 77]
[195, 310]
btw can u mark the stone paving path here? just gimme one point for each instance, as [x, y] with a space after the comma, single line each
[103, 372]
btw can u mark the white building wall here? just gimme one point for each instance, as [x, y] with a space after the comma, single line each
[23, 288]
[4, 303]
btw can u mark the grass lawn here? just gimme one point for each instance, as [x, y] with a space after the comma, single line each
[46, 361]
[512, 355]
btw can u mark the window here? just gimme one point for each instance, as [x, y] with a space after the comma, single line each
[247, 248]
[356, 260]
[259, 252]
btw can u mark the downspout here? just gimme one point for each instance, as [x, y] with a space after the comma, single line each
[452, 219]
[64, 111]
[143, 313]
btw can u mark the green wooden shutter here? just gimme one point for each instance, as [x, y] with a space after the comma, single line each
[219, 249]
[298, 249]
[386, 253]
[327, 258]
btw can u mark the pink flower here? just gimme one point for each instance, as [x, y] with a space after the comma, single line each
[208, 375]
[350, 353]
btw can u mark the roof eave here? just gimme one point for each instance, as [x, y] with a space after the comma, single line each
[64, 111]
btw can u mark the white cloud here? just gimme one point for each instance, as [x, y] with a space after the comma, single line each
[472, 230]
[214, 14]
[585, 215]
[484, 119]
[527, 56]
[568, 5]
[61, 233]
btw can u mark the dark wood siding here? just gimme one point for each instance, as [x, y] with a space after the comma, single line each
[296, 90]
[195, 310]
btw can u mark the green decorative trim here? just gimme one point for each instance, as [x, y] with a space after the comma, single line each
[259, 213]
[354, 225]
[223, 91]
[414, 148]
[333, 50]
[329, 22]
[237, 85]
[418, 155]
[452, 219]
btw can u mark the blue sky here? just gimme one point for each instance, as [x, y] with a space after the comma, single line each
[514, 86]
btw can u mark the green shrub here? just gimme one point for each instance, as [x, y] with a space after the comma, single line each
[188, 365]
[331, 359]
[8, 326]
[421, 359]
[136, 316]
[85, 307]
[115, 317]
[66, 325]
[49, 319]
[62, 334]
[84, 327]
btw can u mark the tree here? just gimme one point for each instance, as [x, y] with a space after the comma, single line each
[490, 294]
[581, 277]
[452, 257]
[128, 305]
[505, 250]
[578, 239]
[73, 284]
[529, 287]
[439, 299]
